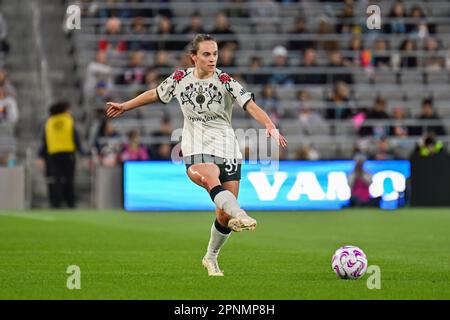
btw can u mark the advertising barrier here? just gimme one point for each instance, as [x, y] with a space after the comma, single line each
[296, 185]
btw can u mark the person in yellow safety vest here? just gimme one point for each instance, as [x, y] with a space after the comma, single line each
[430, 147]
[59, 146]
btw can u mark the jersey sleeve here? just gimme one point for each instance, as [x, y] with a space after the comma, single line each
[236, 90]
[166, 90]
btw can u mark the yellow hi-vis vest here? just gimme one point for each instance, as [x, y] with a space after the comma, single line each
[59, 133]
[424, 152]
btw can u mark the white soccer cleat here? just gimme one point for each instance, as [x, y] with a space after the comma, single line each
[213, 267]
[242, 222]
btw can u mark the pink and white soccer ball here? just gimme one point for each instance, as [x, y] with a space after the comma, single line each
[349, 262]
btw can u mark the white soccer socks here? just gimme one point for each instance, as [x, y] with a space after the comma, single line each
[219, 235]
[225, 200]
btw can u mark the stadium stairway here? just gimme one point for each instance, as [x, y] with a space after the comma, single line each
[41, 73]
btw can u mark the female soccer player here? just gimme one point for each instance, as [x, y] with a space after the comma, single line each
[209, 145]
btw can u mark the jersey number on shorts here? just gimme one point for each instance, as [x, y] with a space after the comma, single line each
[231, 166]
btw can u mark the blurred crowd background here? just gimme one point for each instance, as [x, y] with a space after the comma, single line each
[336, 89]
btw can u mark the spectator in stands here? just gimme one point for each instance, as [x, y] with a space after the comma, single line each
[383, 150]
[265, 16]
[361, 149]
[108, 12]
[253, 77]
[418, 24]
[336, 61]
[160, 150]
[152, 78]
[309, 61]
[113, 28]
[306, 152]
[101, 96]
[346, 21]
[356, 47]
[194, 27]
[96, 71]
[237, 9]
[359, 181]
[382, 57]
[340, 105]
[408, 52]
[58, 149]
[161, 61]
[133, 150]
[397, 17]
[6, 84]
[9, 112]
[147, 12]
[165, 128]
[378, 112]
[139, 28]
[227, 58]
[184, 61]
[163, 10]
[164, 152]
[433, 60]
[311, 122]
[398, 128]
[280, 60]
[133, 74]
[4, 44]
[165, 30]
[222, 28]
[326, 29]
[270, 103]
[428, 113]
[94, 129]
[106, 145]
[300, 29]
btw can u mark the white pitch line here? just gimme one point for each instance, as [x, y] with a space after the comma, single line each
[27, 216]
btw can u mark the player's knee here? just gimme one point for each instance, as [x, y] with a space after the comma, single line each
[209, 181]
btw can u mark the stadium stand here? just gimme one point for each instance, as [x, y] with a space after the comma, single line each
[9, 112]
[136, 44]
[337, 71]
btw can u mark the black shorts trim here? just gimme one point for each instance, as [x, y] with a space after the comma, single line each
[230, 169]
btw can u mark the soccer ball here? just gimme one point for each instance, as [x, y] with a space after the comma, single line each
[349, 262]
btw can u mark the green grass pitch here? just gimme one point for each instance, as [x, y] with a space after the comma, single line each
[158, 255]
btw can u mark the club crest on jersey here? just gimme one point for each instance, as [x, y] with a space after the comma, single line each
[201, 96]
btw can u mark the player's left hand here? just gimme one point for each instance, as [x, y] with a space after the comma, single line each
[277, 136]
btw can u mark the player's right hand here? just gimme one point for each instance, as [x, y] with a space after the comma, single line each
[114, 109]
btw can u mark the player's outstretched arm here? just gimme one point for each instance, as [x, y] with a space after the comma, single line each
[114, 109]
[261, 116]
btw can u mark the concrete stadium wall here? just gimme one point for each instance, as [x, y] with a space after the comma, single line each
[108, 188]
[12, 188]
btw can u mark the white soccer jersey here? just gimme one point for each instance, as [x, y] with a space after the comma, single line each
[207, 107]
